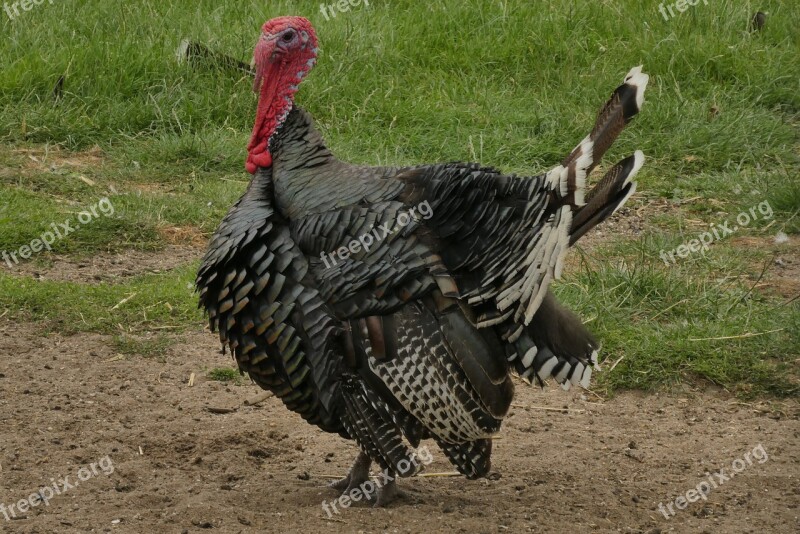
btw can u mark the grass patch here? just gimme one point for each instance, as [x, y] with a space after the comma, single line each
[34, 201]
[153, 300]
[225, 374]
[700, 319]
[149, 347]
[26, 216]
[407, 82]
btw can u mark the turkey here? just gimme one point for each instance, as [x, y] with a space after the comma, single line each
[394, 304]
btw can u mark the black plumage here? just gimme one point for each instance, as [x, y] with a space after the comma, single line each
[416, 335]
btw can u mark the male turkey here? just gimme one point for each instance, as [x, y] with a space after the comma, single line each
[413, 332]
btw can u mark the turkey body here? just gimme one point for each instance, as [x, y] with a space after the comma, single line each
[393, 304]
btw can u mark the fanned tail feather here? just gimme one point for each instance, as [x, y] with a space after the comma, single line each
[555, 345]
[608, 196]
[569, 178]
[376, 432]
[472, 459]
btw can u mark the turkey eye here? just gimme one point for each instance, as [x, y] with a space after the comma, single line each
[288, 36]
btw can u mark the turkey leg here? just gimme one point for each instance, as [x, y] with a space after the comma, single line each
[387, 493]
[357, 475]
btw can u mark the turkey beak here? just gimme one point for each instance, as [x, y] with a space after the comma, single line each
[263, 55]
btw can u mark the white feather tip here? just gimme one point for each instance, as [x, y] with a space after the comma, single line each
[638, 79]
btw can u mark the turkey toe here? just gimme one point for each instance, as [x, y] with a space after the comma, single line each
[387, 494]
[356, 477]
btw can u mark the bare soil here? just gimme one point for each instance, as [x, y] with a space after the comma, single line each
[194, 458]
[565, 461]
[105, 267]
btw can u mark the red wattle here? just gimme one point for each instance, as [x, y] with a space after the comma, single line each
[268, 78]
[254, 161]
[278, 72]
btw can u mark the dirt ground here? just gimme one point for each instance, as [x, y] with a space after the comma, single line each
[172, 456]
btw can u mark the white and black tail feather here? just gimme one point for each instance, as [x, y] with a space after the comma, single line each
[369, 422]
[567, 183]
[554, 345]
[472, 459]
[568, 180]
[607, 196]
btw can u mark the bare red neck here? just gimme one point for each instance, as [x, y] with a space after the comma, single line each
[285, 53]
[274, 103]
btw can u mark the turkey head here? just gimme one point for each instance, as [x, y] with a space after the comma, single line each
[285, 53]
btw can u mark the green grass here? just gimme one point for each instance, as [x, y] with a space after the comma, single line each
[136, 305]
[510, 83]
[225, 374]
[42, 214]
[698, 319]
[148, 347]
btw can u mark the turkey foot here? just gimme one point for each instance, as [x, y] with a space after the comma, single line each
[357, 475]
[387, 493]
